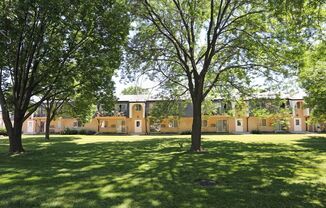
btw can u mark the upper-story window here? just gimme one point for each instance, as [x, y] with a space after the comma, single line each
[223, 107]
[122, 107]
[298, 105]
[138, 107]
[77, 124]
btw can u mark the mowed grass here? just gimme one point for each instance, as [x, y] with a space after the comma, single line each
[286, 170]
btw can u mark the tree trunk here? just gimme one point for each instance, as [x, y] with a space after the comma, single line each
[49, 117]
[196, 127]
[15, 137]
[47, 127]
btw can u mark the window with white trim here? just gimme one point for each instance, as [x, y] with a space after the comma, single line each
[173, 124]
[104, 124]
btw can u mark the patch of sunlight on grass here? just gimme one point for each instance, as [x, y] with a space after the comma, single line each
[285, 193]
[125, 204]
[33, 178]
[144, 167]
[155, 203]
[317, 202]
[8, 177]
[91, 167]
[112, 195]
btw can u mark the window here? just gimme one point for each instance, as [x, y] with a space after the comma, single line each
[138, 107]
[122, 107]
[77, 124]
[263, 122]
[104, 124]
[298, 105]
[297, 122]
[239, 123]
[173, 124]
[204, 123]
[137, 123]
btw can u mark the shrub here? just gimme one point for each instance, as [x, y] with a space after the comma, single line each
[76, 131]
[256, 132]
[90, 132]
[70, 131]
[186, 133]
[82, 131]
[3, 132]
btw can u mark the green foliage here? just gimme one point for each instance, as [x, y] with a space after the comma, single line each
[3, 132]
[313, 80]
[258, 38]
[59, 48]
[274, 109]
[173, 109]
[69, 131]
[240, 108]
[134, 90]
[208, 108]
[281, 119]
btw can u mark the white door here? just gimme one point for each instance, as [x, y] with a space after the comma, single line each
[138, 128]
[238, 125]
[222, 126]
[30, 125]
[297, 124]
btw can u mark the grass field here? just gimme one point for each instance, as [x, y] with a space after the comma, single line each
[286, 170]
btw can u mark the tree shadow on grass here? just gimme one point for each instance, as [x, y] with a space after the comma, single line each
[317, 143]
[159, 173]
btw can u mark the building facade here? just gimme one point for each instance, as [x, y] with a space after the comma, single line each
[133, 112]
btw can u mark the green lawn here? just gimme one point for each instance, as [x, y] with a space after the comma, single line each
[156, 171]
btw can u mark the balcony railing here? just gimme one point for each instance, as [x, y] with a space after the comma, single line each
[115, 114]
[39, 115]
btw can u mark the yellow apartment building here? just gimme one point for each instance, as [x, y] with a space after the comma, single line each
[132, 116]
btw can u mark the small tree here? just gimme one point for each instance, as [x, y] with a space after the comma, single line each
[273, 109]
[167, 109]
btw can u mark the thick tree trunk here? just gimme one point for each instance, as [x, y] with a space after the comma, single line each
[15, 137]
[196, 127]
[47, 127]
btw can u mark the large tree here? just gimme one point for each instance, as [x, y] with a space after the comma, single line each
[313, 80]
[44, 42]
[202, 45]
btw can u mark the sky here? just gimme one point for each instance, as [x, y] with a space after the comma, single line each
[122, 84]
[290, 84]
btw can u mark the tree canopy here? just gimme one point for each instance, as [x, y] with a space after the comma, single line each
[134, 90]
[313, 79]
[217, 46]
[49, 47]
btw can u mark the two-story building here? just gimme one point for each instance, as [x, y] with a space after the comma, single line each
[132, 116]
